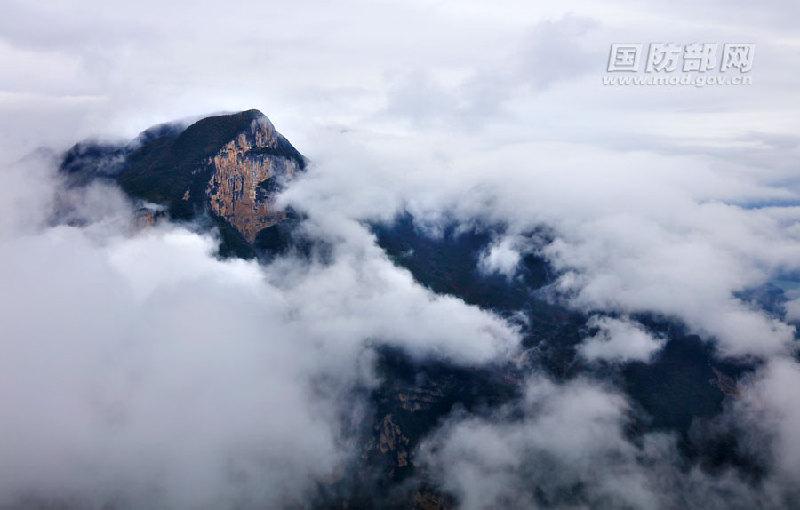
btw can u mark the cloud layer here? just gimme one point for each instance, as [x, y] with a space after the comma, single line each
[137, 368]
[565, 446]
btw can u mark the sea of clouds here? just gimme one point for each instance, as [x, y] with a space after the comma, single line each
[138, 369]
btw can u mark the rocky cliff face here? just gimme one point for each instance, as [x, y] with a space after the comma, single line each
[239, 188]
[227, 166]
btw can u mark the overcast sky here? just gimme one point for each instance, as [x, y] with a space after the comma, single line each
[504, 72]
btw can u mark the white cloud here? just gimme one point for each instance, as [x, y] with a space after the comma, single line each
[502, 257]
[566, 446]
[792, 308]
[137, 369]
[633, 232]
[159, 379]
[619, 340]
[769, 414]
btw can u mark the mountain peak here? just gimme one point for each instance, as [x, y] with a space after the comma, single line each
[229, 166]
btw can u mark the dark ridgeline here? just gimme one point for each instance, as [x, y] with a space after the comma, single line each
[174, 166]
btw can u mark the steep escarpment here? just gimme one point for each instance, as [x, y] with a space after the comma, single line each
[229, 167]
[242, 176]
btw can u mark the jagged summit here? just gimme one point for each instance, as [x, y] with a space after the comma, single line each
[228, 166]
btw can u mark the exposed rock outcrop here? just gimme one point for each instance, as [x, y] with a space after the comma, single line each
[391, 438]
[726, 384]
[419, 398]
[228, 166]
[430, 500]
[237, 190]
[148, 216]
